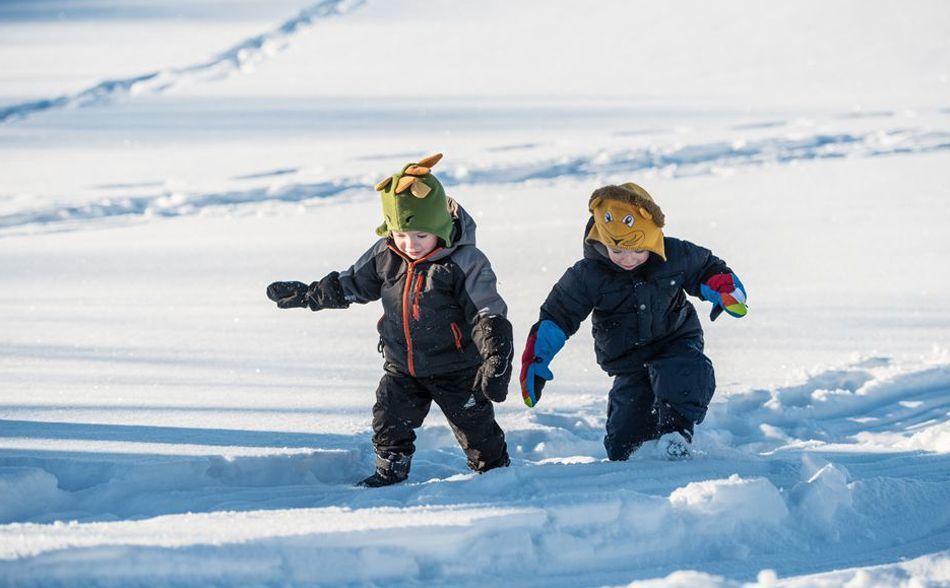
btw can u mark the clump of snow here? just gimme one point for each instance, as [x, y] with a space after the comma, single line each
[735, 500]
[820, 500]
[27, 492]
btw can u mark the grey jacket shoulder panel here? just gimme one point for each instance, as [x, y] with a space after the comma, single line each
[480, 285]
[361, 281]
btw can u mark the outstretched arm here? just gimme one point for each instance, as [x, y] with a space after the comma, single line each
[360, 284]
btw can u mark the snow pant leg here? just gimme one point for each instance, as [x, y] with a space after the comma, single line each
[631, 418]
[472, 418]
[683, 378]
[402, 403]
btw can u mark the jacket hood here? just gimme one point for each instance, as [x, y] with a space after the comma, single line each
[463, 232]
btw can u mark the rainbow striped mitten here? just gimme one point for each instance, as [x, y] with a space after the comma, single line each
[726, 293]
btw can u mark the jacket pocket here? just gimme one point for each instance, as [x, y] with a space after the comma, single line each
[668, 301]
[611, 339]
[379, 329]
[457, 334]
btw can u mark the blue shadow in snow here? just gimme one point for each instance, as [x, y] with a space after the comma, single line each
[172, 435]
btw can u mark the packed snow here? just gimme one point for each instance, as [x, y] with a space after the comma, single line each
[162, 162]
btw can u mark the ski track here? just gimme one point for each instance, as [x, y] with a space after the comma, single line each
[686, 160]
[778, 469]
[234, 59]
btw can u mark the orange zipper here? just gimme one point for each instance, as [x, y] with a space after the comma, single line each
[406, 292]
[415, 304]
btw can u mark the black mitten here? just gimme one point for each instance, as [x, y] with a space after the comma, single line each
[493, 337]
[327, 293]
[288, 294]
[493, 377]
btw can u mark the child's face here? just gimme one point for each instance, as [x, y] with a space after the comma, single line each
[628, 259]
[415, 244]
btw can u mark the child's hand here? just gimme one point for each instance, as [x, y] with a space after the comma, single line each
[288, 294]
[726, 293]
[544, 341]
[493, 377]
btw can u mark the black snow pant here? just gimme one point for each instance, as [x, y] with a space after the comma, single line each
[675, 385]
[403, 401]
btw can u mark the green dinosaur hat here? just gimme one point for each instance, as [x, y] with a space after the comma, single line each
[414, 200]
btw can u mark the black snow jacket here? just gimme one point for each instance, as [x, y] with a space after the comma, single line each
[635, 313]
[441, 313]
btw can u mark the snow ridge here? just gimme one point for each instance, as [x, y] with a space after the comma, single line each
[682, 160]
[238, 58]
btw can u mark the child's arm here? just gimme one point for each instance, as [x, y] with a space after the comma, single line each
[569, 303]
[712, 280]
[486, 311]
[360, 284]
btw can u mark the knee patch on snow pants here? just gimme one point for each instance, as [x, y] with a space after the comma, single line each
[683, 377]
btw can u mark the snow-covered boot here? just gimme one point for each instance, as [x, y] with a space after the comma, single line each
[482, 467]
[674, 445]
[674, 432]
[390, 469]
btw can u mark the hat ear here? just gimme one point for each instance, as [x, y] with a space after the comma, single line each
[383, 184]
[417, 170]
[404, 183]
[594, 203]
[419, 189]
[430, 161]
[645, 214]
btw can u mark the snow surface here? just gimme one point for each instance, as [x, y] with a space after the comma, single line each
[161, 162]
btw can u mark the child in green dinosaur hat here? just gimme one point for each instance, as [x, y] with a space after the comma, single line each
[414, 200]
[444, 334]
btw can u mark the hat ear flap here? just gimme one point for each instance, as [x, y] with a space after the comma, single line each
[383, 184]
[645, 214]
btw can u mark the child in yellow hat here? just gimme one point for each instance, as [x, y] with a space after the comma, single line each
[444, 335]
[634, 281]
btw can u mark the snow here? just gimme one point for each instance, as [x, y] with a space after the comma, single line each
[161, 422]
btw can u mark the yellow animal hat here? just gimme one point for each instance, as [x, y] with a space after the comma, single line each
[626, 217]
